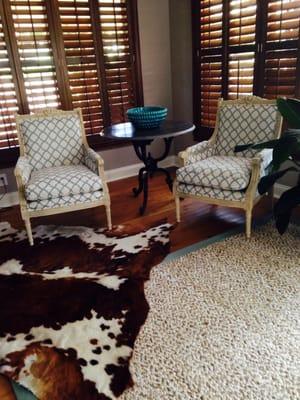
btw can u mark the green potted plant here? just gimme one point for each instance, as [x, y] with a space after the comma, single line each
[287, 148]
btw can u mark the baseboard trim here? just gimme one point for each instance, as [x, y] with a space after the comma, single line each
[11, 199]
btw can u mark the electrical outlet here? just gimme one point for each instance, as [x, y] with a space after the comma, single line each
[3, 180]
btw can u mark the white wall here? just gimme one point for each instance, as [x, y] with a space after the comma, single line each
[154, 22]
[182, 66]
[154, 26]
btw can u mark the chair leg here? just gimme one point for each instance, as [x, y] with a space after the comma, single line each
[248, 222]
[177, 203]
[29, 231]
[108, 216]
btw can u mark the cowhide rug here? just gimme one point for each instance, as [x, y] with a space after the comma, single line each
[72, 306]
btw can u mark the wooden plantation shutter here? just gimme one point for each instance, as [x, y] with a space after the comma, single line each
[281, 48]
[243, 47]
[242, 22]
[118, 57]
[8, 96]
[241, 68]
[209, 63]
[81, 62]
[68, 54]
[226, 53]
[35, 52]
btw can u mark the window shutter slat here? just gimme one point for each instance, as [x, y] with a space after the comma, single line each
[281, 48]
[241, 66]
[81, 62]
[210, 62]
[118, 61]
[242, 31]
[211, 87]
[283, 20]
[33, 41]
[211, 14]
[280, 73]
[242, 21]
[8, 97]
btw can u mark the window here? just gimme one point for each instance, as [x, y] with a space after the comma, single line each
[243, 47]
[68, 54]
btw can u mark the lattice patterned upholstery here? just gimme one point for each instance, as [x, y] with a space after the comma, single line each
[211, 192]
[243, 124]
[219, 172]
[65, 201]
[52, 141]
[70, 180]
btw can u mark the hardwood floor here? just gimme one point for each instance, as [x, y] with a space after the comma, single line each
[199, 221]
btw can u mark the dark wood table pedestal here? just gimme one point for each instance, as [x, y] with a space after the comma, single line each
[151, 166]
[141, 139]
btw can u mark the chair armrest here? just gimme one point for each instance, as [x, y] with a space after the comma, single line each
[198, 152]
[259, 166]
[23, 171]
[93, 160]
[255, 175]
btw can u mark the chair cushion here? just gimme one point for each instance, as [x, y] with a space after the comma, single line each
[211, 192]
[49, 183]
[219, 172]
[76, 199]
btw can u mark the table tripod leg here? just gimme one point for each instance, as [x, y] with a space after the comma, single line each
[139, 189]
[145, 189]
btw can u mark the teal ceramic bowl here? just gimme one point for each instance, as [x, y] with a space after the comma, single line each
[147, 117]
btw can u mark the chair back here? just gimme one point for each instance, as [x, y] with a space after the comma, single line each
[243, 121]
[51, 138]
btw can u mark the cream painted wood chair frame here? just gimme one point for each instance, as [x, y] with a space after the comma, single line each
[251, 197]
[26, 213]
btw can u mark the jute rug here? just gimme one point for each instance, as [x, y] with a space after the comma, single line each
[224, 323]
[72, 306]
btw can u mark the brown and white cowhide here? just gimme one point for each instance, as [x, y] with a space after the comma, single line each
[72, 306]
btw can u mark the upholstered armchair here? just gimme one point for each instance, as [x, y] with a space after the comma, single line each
[213, 173]
[57, 172]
